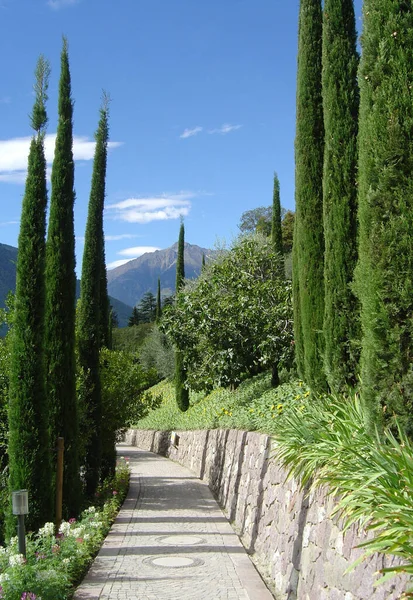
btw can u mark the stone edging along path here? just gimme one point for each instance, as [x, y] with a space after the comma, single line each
[299, 550]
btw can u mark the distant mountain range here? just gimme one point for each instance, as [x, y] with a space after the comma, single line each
[131, 281]
[127, 283]
[8, 258]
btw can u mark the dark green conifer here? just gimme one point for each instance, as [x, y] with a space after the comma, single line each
[158, 302]
[340, 102]
[384, 274]
[276, 230]
[60, 298]
[309, 148]
[89, 323]
[29, 446]
[182, 393]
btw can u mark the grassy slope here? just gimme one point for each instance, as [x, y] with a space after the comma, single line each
[254, 406]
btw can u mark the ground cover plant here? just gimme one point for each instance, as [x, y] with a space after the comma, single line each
[55, 563]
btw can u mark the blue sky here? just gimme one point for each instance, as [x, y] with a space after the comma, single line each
[202, 111]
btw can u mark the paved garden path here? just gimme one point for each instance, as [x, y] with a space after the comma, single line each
[170, 541]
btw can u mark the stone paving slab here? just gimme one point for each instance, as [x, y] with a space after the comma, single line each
[170, 541]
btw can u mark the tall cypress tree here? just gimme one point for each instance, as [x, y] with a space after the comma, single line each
[340, 102]
[29, 448]
[309, 243]
[89, 324]
[181, 392]
[384, 274]
[158, 302]
[60, 297]
[276, 230]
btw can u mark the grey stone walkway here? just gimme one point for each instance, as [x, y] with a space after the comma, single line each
[170, 541]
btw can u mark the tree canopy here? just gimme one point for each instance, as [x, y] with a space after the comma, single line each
[235, 320]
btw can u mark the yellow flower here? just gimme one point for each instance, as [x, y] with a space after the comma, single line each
[279, 406]
[306, 394]
[272, 407]
[297, 397]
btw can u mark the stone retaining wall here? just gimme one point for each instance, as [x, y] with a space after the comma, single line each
[300, 551]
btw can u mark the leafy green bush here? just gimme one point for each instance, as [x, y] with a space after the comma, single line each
[158, 353]
[130, 339]
[235, 320]
[123, 379]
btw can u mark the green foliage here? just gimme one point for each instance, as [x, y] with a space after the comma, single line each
[158, 301]
[134, 319]
[60, 297]
[287, 230]
[254, 405]
[29, 448]
[123, 380]
[340, 102]
[131, 338]
[235, 320]
[326, 443]
[158, 353]
[309, 239]
[384, 274]
[89, 324]
[256, 218]
[54, 564]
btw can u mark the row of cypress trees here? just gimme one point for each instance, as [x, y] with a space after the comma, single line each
[352, 255]
[43, 403]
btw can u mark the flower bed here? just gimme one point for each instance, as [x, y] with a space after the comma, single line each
[54, 564]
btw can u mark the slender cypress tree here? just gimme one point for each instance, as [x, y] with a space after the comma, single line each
[182, 393]
[61, 297]
[203, 261]
[384, 274]
[309, 243]
[89, 338]
[276, 230]
[158, 303]
[340, 102]
[29, 448]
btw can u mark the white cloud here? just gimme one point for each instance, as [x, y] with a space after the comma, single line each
[14, 154]
[56, 4]
[7, 223]
[190, 132]
[117, 263]
[157, 208]
[137, 251]
[225, 128]
[122, 236]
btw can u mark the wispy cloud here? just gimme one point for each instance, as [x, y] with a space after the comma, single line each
[57, 4]
[137, 251]
[117, 263]
[14, 153]
[121, 236]
[225, 128]
[7, 223]
[190, 132]
[132, 253]
[156, 208]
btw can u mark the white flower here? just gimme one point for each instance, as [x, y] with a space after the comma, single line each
[2, 550]
[96, 524]
[86, 536]
[91, 509]
[77, 531]
[64, 528]
[66, 560]
[4, 577]
[16, 559]
[47, 530]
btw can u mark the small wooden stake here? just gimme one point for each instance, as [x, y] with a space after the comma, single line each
[59, 481]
